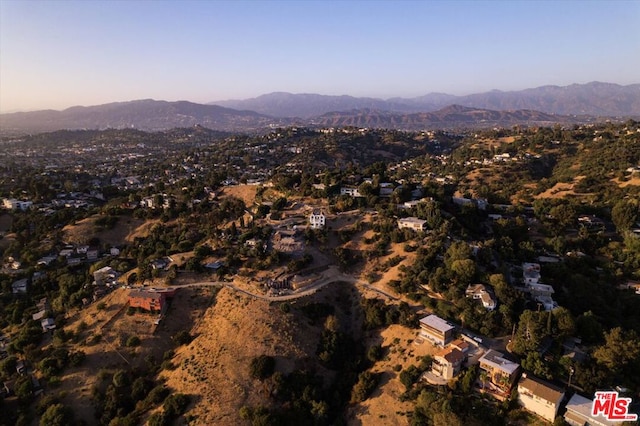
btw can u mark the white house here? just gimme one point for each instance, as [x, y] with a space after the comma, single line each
[351, 191]
[20, 286]
[479, 292]
[437, 330]
[412, 223]
[317, 219]
[539, 397]
[579, 413]
[13, 204]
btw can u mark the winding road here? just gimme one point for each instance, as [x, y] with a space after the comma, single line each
[330, 275]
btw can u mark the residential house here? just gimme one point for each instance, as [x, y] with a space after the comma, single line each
[92, 253]
[38, 316]
[530, 273]
[501, 371]
[105, 275]
[160, 263]
[412, 223]
[579, 413]
[48, 324]
[480, 203]
[13, 204]
[386, 189]
[147, 300]
[20, 286]
[351, 191]
[437, 330]
[447, 363]
[461, 345]
[317, 219]
[480, 292]
[539, 397]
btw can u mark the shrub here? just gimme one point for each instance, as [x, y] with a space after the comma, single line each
[262, 367]
[133, 341]
[183, 337]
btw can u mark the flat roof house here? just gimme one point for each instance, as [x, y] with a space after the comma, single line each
[437, 330]
[579, 413]
[539, 397]
[412, 223]
[502, 372]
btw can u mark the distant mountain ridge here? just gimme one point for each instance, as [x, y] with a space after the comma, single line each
[538, 106]
[146, 114]
[595, 98]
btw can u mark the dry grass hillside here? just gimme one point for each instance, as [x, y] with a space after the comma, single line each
[103, 331]
[125, 230]
[214, 367]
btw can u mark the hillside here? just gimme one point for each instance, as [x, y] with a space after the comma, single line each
[454, 116]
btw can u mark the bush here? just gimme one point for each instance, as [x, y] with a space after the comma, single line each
[262, 367]
[133, 341]
[367, 382]
[183, 337]
[374, 353]
[175, 405]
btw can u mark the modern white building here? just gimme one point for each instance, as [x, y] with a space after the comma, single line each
[437, 330]
[351, 191]
[412, 223]
[579, 413]
[317, 219]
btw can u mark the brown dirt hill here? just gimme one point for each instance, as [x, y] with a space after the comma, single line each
[214, 367]
[125, 230]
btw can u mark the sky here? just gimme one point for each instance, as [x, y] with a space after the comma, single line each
[55, 54]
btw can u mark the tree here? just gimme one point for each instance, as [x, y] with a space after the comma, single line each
[620, 349]
[624, 214]
[57, 415]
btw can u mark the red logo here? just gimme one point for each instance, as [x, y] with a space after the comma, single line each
[612, 407]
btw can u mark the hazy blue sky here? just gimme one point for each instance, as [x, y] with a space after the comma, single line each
[55, 54]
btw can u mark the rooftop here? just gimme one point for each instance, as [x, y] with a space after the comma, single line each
[540, 388]
[496, 360]
[436, 322]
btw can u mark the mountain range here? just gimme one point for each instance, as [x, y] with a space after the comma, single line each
[595, 98]
[540, 106]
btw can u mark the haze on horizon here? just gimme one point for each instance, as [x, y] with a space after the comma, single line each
[60, 54]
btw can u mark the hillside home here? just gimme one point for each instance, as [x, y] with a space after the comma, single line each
[447, 363]
[539, 397]
[412, 223]
[579, 413]
[437, 330]
[317, 219]
[13, 204]
[480, 203]
[20, 286]
[351, 191]
[501, 372]
[105, 275]
[480, 292]
[530, 273]
[147, 300]
[386, 189]
[48, 324]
